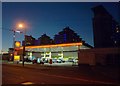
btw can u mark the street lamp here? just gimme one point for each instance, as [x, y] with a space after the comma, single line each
[21, 26]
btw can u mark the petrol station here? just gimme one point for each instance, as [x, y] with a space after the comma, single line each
[67, 52]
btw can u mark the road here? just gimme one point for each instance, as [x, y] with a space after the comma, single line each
[12, 74]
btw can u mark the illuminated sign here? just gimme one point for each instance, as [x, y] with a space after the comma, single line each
[17, 43]
[16, 58]
[56, 45]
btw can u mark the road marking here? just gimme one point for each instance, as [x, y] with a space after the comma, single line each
[100, 82]
[27, 83]
[30, 83]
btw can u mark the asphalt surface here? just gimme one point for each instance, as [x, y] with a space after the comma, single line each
[40, 74]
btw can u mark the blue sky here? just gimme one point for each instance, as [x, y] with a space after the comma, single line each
[50, 18]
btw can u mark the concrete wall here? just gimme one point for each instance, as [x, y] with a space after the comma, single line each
[86, 57]
[102, 56]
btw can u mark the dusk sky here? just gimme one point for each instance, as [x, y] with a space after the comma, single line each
[50, 18]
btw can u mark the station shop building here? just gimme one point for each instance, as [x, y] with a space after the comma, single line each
[66, 52]
[70, 52]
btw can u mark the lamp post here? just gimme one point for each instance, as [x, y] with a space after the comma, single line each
[21, 27]
[24, 47]
[13, 43]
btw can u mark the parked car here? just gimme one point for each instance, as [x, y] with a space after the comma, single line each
[59, 61]
[34, 61]
[27, 60]
[54, 60]
[62, 60]
[70, 60]
[37, 62]
[41, 62]
[45, 60]
[73, 60]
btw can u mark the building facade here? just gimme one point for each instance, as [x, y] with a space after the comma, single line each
[45, 40]
[67, 36]
[104, 29]
[116, 36]
[65, 51]
[29, 40]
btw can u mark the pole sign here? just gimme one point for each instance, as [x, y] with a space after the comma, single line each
[17, 44]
